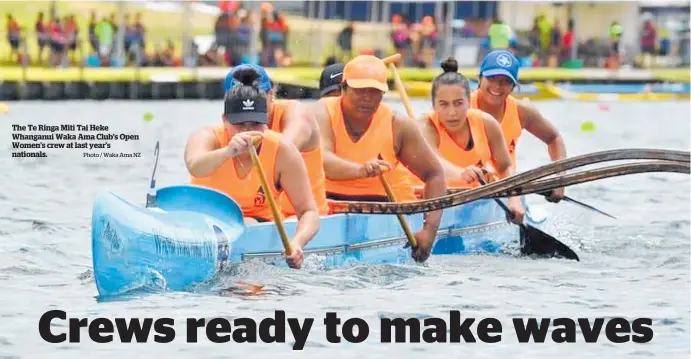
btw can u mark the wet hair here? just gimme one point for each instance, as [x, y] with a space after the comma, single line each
[249, 87]
[451, 76]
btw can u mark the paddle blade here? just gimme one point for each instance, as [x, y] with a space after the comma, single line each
[535, 241]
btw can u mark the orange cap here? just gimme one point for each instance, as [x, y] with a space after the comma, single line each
[366, 71]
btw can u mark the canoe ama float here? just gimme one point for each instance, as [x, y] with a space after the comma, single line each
[193, 232]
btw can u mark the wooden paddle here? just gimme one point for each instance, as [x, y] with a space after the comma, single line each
[278, 216]
[535, 241]
[404, 223]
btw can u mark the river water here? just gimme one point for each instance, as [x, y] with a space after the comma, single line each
[635, 266]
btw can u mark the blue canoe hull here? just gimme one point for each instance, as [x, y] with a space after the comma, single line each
[193, 232]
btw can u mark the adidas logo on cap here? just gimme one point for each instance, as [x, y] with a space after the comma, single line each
[248, 105]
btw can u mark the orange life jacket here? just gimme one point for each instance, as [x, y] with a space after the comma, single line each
[314, 161]
[510, 123]
[376, 142]
[479, 155]
[247, 191]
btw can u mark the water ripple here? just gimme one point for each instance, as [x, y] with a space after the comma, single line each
[635, 266]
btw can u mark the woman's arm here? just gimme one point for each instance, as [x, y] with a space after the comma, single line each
[202, 154]
[293, 178]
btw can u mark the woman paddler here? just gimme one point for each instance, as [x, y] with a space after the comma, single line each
[498, 78]
[468, 142]
[217, 157]
[296, 123]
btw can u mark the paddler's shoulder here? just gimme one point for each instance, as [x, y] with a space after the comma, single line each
[401, 122]
[320, 109]
[525, 107]
[424, 119]
[208, 135]
[286, 104]
[208, 130]
[491, 123]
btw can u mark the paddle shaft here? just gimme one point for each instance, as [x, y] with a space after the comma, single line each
[278, 218]
[498, 201]
[584, 205]
[404, 97]
[402, 92]
[404, 224]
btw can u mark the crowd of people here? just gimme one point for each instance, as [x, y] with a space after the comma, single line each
[233, 29]
[551, 44]
[61, 41]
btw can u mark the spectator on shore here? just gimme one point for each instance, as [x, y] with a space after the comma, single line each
[58, 42]
[545, 28]
[71, 31]
[134, 38]
[535, 43]
[139, 31]
[499, 34]
[648, 42]
[428, 40]
[42, 35]
[555, 45]
[400, 37]
[345, 41]
[265, 18]
[93, 38]
[14, 36]
[648, 37]
[129, 34]
[614, 34]
[105, 32]
[244, 31]
[664, 43]
[276, 33]
[567, 41]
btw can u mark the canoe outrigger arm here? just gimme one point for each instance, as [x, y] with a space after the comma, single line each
[151, 194]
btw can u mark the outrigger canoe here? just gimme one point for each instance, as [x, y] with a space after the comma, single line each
[192, 233]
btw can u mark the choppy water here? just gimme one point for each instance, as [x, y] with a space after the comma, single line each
[636, 266]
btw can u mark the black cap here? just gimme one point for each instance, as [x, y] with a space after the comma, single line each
[242, 110]
[330, 79]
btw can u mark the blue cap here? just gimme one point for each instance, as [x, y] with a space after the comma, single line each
[265, 83]
[500, 62]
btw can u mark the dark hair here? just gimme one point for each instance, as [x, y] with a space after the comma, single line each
[450, 77]
[248, 87]
[250, 84]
